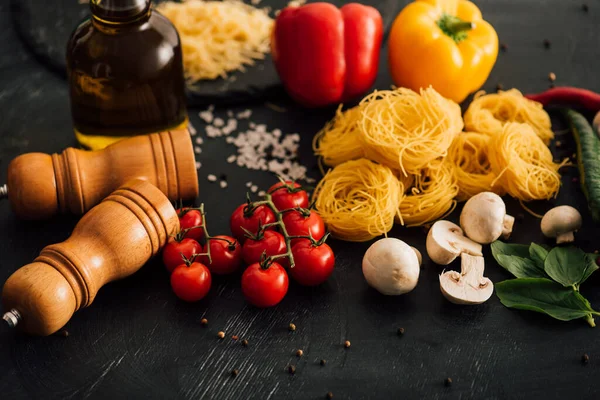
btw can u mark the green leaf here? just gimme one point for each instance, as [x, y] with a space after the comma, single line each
[519, 250]
[520, 267]
[591, 266]
[568, 266]
[538, 254]
[545, 296]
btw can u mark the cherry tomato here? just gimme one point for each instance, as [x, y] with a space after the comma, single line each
[297, 224]
[189, 219]
[284, 198]
[264, 287]
[173, 250]
[272, 243]
[238, 221]
[191, 283]
[314, 264]
[225, 253]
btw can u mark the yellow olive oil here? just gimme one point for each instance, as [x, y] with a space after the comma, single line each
[125, 70]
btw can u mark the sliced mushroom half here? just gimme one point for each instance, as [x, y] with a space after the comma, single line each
[469, 286]
[445, 242]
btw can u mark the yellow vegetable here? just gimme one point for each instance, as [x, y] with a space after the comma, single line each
[442, 43]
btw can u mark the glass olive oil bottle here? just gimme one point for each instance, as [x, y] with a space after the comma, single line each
[125, 70]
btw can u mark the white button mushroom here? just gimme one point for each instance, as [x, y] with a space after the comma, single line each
[560, 222]
[391, 266]
[469, 286]
[484, 218]
[445, 242]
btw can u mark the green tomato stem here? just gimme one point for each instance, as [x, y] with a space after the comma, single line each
[288, 242]
[206, 235]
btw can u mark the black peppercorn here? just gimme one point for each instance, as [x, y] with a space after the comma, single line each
[448, 382]
[547, 43]
[329, 395]
[235, 373]
[585, 359]
[245, 343]
[323, 362]
[400, 331]
[291, 369]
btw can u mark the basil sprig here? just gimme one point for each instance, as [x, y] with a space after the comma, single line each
[548, 280]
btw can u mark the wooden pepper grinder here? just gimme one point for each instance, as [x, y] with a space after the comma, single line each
[110, 242]
[41, 185]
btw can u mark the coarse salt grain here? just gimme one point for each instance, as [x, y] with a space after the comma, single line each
[211, 178]
[207, 115]
[197, 150]
[211, 131]
[223, 184]
[254, 188]
[261, 193]
[244, 114]
[198, 165]
[231, 159]
[199, 140]
[218, 122]
[230, 114]
[248, 184]
[191, 129]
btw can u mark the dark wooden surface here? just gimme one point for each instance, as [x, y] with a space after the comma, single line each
[138, 341]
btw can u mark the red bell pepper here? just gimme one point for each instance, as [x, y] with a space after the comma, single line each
[325, 54]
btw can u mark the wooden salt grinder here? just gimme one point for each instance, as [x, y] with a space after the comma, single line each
[41, 185]
[112, 241]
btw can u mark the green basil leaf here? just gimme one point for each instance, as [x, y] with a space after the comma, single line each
[545, 296]
[520, 267]
[567, 265]
[591, 266]
[538, 254]
[519, 250]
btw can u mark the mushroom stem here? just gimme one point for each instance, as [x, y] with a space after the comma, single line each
[419, 256]
[507, 226]
[469, 286]
[567, 237]
[472, 267]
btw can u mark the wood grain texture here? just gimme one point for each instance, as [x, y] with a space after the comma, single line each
[138, 341]
[114, 240]
[42, 185]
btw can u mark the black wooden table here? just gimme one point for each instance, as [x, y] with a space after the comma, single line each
[138, 341]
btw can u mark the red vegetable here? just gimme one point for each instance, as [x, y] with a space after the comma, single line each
[326, 55]
[225, 253]
[174, 249]
[271, 243]
[297, 224]
[245, 217]
[191, 283]
[314, 264]
[191, 219]
[567, 95]
[264, 287]
[288, 195]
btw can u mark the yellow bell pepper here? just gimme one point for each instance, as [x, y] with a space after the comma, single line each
[442, 43]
